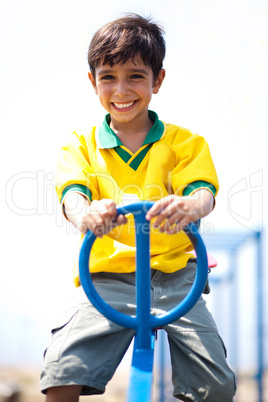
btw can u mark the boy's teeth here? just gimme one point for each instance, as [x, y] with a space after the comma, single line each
[123, 105]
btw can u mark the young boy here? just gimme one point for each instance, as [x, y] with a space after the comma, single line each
[134, 156]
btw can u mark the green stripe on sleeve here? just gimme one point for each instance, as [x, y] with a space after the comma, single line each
[79, 188]
[197, 185]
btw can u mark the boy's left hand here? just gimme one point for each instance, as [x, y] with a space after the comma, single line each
[173, 213]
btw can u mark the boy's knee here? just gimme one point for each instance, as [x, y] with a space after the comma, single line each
[67, 393]
[222, 390]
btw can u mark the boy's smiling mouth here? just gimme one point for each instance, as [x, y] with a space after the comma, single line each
[123, 106]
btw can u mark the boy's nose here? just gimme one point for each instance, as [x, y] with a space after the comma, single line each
[121, 88]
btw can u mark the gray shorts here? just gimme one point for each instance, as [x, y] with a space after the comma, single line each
[86, 348]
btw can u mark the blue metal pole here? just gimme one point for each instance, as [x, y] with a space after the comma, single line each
[162, 370]
[260, 316]
[141, 374]
[234, 310]
[143, 281]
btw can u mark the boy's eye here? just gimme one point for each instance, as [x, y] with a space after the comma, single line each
[107, 77]
[136, 76]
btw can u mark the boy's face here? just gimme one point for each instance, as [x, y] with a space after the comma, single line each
[125, 90]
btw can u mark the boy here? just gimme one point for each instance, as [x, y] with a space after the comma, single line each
[132, 156]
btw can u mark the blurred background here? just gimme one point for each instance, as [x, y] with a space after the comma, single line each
[216, 85]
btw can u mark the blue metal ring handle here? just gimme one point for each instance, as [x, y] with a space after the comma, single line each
[139, 211]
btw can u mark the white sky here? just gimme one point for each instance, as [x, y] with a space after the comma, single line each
[216, 85]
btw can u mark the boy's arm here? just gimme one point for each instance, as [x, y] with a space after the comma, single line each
[100, 216]
[174, 212]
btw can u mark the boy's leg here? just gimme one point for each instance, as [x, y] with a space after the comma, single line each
[69, 393]
[199, 367]
[200, 371]
[86, 348]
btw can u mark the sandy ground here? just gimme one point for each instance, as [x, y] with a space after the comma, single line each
[26, 380]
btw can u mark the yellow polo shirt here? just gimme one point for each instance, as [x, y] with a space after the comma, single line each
[172, 160]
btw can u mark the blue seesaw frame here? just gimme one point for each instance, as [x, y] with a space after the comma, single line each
[144, 323]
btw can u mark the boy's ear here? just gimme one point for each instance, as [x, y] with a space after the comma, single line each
[159, 80]
[93, 82]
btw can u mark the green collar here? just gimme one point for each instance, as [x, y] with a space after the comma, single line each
[108, 139]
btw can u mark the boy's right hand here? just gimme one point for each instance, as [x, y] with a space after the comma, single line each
[100, 217]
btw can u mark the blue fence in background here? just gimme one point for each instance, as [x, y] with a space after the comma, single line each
[232, 243]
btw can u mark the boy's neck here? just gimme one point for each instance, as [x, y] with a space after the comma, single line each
[133, 133]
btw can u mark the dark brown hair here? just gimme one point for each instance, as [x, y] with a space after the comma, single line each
[128, 38]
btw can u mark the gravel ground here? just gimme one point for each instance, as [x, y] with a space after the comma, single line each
[26, 380]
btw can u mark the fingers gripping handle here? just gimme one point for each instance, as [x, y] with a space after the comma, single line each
[139, 211]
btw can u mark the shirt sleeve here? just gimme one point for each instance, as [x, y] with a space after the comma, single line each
[74, 172]
[195, 168]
